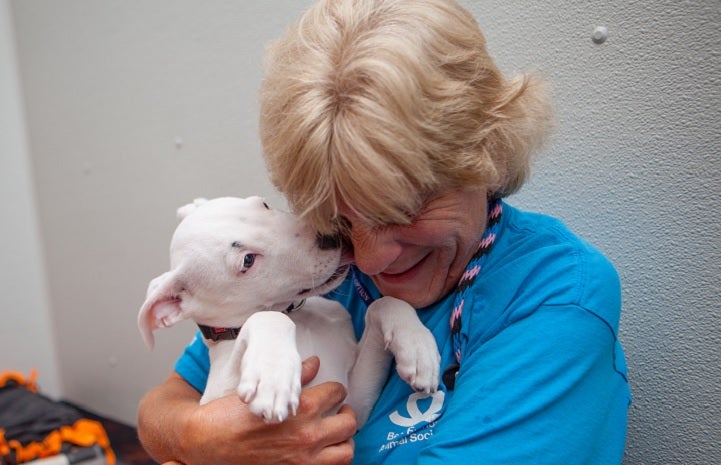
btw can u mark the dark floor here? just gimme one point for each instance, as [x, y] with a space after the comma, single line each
[123, 440]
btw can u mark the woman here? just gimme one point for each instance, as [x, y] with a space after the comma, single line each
[387, 121]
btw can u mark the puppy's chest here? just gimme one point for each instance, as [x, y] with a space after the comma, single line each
[325, 330]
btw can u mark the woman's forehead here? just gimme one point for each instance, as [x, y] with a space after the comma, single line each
[373, 214]
[397, 212]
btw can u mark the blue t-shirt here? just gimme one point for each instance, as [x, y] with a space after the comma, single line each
[543, 376]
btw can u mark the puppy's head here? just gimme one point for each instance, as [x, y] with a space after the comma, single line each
[231, 257]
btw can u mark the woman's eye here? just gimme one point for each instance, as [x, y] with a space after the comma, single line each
[248, 261]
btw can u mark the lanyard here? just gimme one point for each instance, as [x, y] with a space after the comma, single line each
[361, 288]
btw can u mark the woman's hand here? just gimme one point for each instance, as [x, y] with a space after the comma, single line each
[174, 427]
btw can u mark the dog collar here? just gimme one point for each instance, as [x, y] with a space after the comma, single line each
[219, 334]
[293, 307]
[216, 334]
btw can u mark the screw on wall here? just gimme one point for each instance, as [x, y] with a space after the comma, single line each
[600, 34]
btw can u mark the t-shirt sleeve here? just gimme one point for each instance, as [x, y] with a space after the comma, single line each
[550, 388]
[194, 363]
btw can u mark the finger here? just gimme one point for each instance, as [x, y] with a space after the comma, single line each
[337, 454]
[323, 398]
[335, 431]
[310, 368]
[347, 410]
[340, 427]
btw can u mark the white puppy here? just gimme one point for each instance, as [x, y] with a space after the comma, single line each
[249, 275]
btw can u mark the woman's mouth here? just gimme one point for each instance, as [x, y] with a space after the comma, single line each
[404, 275]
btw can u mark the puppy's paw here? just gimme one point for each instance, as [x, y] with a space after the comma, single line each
[272, 389]
[412, 344]
[417, 358]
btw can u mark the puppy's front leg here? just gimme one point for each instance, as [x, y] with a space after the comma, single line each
[270, 366]
[369, 372]
[392, 329]
[224, 369]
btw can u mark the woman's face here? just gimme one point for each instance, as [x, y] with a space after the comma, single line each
[423, 261]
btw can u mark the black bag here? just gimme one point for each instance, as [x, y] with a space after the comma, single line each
[34, 427]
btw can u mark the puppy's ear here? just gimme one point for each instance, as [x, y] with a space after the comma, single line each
[186, 210]
[161, 308]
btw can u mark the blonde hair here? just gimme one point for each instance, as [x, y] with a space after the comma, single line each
[378, 104]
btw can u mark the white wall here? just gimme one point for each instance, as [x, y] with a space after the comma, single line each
[110, 86]
[110, 89]
[26, 336]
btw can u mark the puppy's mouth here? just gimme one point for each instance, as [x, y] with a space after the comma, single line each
[329, 284]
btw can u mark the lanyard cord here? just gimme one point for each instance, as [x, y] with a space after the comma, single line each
[459, 319]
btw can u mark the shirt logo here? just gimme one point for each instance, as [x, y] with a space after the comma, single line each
[417, 416]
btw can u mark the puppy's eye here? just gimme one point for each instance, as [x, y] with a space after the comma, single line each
[266, 206]
[248, 261]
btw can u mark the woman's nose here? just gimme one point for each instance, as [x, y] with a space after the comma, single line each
[374, 250]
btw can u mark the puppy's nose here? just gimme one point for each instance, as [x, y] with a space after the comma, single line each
[327, 242]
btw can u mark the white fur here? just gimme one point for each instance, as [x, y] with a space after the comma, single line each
[209, 282]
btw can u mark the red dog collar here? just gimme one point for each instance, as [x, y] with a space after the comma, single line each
[219, 334]
[228, 334]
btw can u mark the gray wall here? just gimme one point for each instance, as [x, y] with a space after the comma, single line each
[27, 340]
[135, 108]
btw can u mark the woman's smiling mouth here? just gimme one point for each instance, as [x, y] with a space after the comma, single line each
[391, 277]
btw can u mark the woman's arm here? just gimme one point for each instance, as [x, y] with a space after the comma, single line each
[173, 427]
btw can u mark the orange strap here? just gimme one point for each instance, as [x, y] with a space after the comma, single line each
[83, 433]
[4, 448]
[19, 378]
